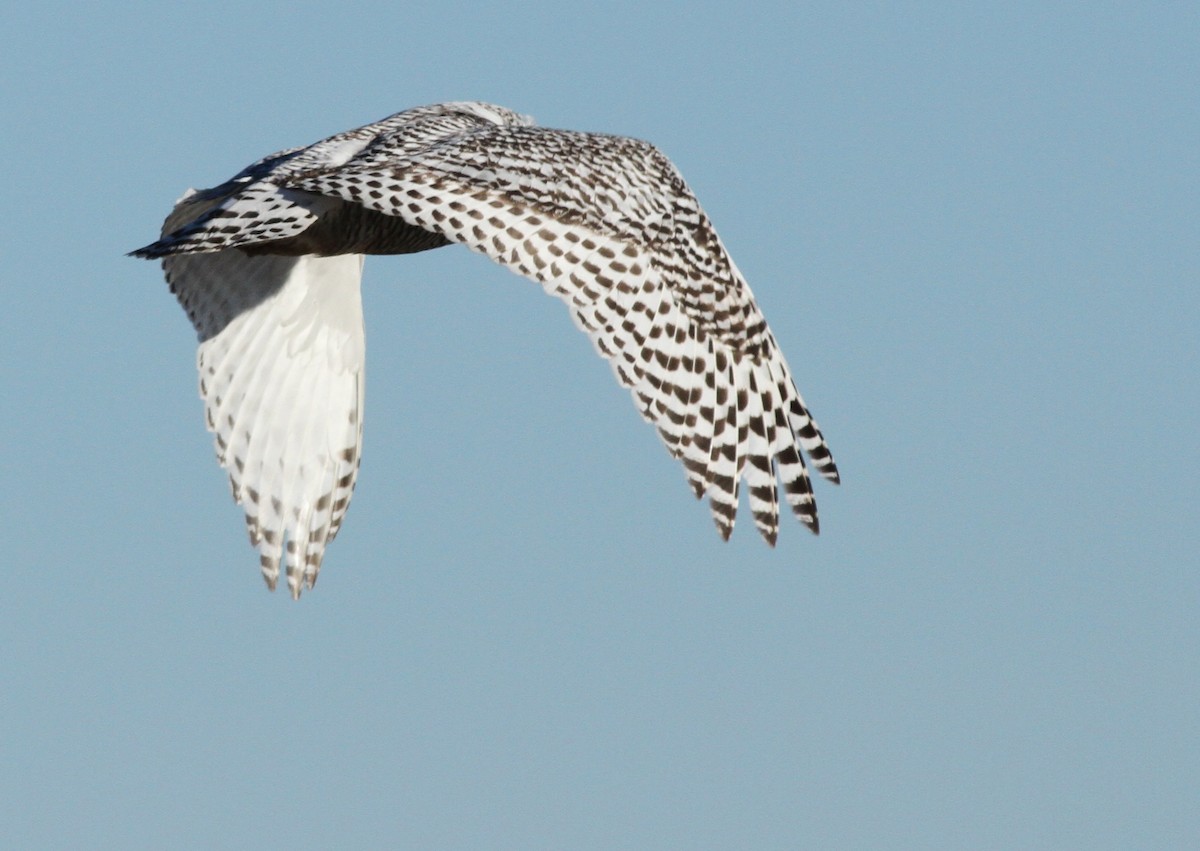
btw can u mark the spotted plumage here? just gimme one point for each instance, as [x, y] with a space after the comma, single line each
[268, 267]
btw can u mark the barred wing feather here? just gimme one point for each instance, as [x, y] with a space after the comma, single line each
[281, 375]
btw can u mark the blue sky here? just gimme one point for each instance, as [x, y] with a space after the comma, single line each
[973, 230]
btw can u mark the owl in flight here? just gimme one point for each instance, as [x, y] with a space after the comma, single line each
[268, 264]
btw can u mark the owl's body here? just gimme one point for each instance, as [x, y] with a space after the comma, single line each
[268, 267]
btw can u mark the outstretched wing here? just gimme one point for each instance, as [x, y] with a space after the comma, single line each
[607, 224]
[281, 375]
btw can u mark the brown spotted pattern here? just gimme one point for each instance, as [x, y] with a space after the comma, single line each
[605, 223]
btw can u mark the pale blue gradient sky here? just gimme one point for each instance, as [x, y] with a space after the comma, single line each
[974, 232]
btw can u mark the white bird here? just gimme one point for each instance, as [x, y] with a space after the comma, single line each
[268, 266]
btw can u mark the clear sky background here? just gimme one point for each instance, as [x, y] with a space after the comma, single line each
[974, 231]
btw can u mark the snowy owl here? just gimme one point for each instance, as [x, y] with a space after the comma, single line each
[268, 265]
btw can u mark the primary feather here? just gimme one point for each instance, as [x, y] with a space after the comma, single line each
[268, 267]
